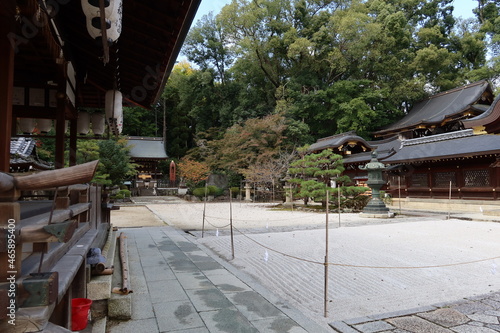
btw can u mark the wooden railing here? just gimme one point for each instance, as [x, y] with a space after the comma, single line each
[43, 255]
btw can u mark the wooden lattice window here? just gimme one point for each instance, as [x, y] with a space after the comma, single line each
[419, 180]
[394, 180]
[477, 178]
[442, 179]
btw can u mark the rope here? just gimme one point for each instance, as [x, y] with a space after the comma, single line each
[363, 266]
[221, 227]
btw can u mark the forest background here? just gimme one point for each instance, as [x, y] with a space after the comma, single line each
[265, 77]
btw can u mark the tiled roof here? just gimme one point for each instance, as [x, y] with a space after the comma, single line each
[22, 147]
[335, 141]
[147, 148]
[436, 108]
[443, 146]
[22, 154]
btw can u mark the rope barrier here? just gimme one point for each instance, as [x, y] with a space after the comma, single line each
[224, 226]
[343, 265]
[363, 266]
[289, 219]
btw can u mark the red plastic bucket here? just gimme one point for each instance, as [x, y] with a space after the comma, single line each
[80, 308]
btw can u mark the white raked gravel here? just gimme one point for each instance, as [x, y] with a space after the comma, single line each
[353, 292]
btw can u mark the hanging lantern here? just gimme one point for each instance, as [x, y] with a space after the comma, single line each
[98, 123]
[112, 9]
[114, 31]
[44, 125]
[114, 110]
[112, 13]
[83, 123]
[27, 125]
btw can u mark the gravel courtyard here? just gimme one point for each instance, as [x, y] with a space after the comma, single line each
[376, 265]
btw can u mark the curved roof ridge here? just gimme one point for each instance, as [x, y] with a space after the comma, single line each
[437, 137]
[491, 114]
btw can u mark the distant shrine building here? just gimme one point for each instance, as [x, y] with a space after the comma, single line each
[448, 140]
[147, 153]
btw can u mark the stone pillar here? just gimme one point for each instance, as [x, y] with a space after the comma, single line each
[248, 196]
[288, 195]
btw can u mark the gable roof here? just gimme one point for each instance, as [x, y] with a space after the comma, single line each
[437, 108]
[336, 141]
[23, 156]
[490, 119]
[146, 148]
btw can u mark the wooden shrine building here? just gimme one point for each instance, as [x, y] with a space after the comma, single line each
[57, 58]
[447, 141]
[147, 153]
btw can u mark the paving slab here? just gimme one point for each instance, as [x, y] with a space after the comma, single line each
[417, 325]
[179, 287]
[446, 317]
[210, 285]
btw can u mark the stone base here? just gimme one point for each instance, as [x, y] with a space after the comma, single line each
[375, 207]
[387, 215]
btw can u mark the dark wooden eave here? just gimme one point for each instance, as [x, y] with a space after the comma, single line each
[443, 108]
[489, 121]
[140, 61]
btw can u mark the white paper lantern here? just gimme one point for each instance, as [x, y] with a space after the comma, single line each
[27, 125]
[114, 110]
[112, 9]
[98, 123]
[44, 125]
[113, 15]
[83, 123]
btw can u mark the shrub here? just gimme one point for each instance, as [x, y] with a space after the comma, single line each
[126, 193]
[234, 191]
[210, 190]
[200, 192]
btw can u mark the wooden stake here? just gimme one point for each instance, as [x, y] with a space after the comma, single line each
[204, 208]
[326, 257]
[231, 223]
[124, 263]
[399, 193]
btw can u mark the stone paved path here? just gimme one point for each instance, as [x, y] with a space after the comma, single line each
[177, 287]
[473, 315]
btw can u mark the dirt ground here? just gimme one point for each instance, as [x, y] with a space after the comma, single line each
[135, 216]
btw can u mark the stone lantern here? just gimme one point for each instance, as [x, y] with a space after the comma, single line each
[248, 189]
[375, 207]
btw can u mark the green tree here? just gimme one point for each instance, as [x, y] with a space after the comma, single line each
[253, 142]
[114, 161]
[314, 172]
[207, 46]
[138, 121]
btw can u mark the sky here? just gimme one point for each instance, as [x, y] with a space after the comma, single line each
[463, 8]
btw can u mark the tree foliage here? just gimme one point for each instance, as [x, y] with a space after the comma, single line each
[192, 172]
[114, 160]
[256, 141]
[270, 75]
[314, 173]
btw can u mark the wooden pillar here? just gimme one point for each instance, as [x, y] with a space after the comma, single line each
[60, 138]
[72, 142]
[60, 116]
[7, 11]
[10, 258]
